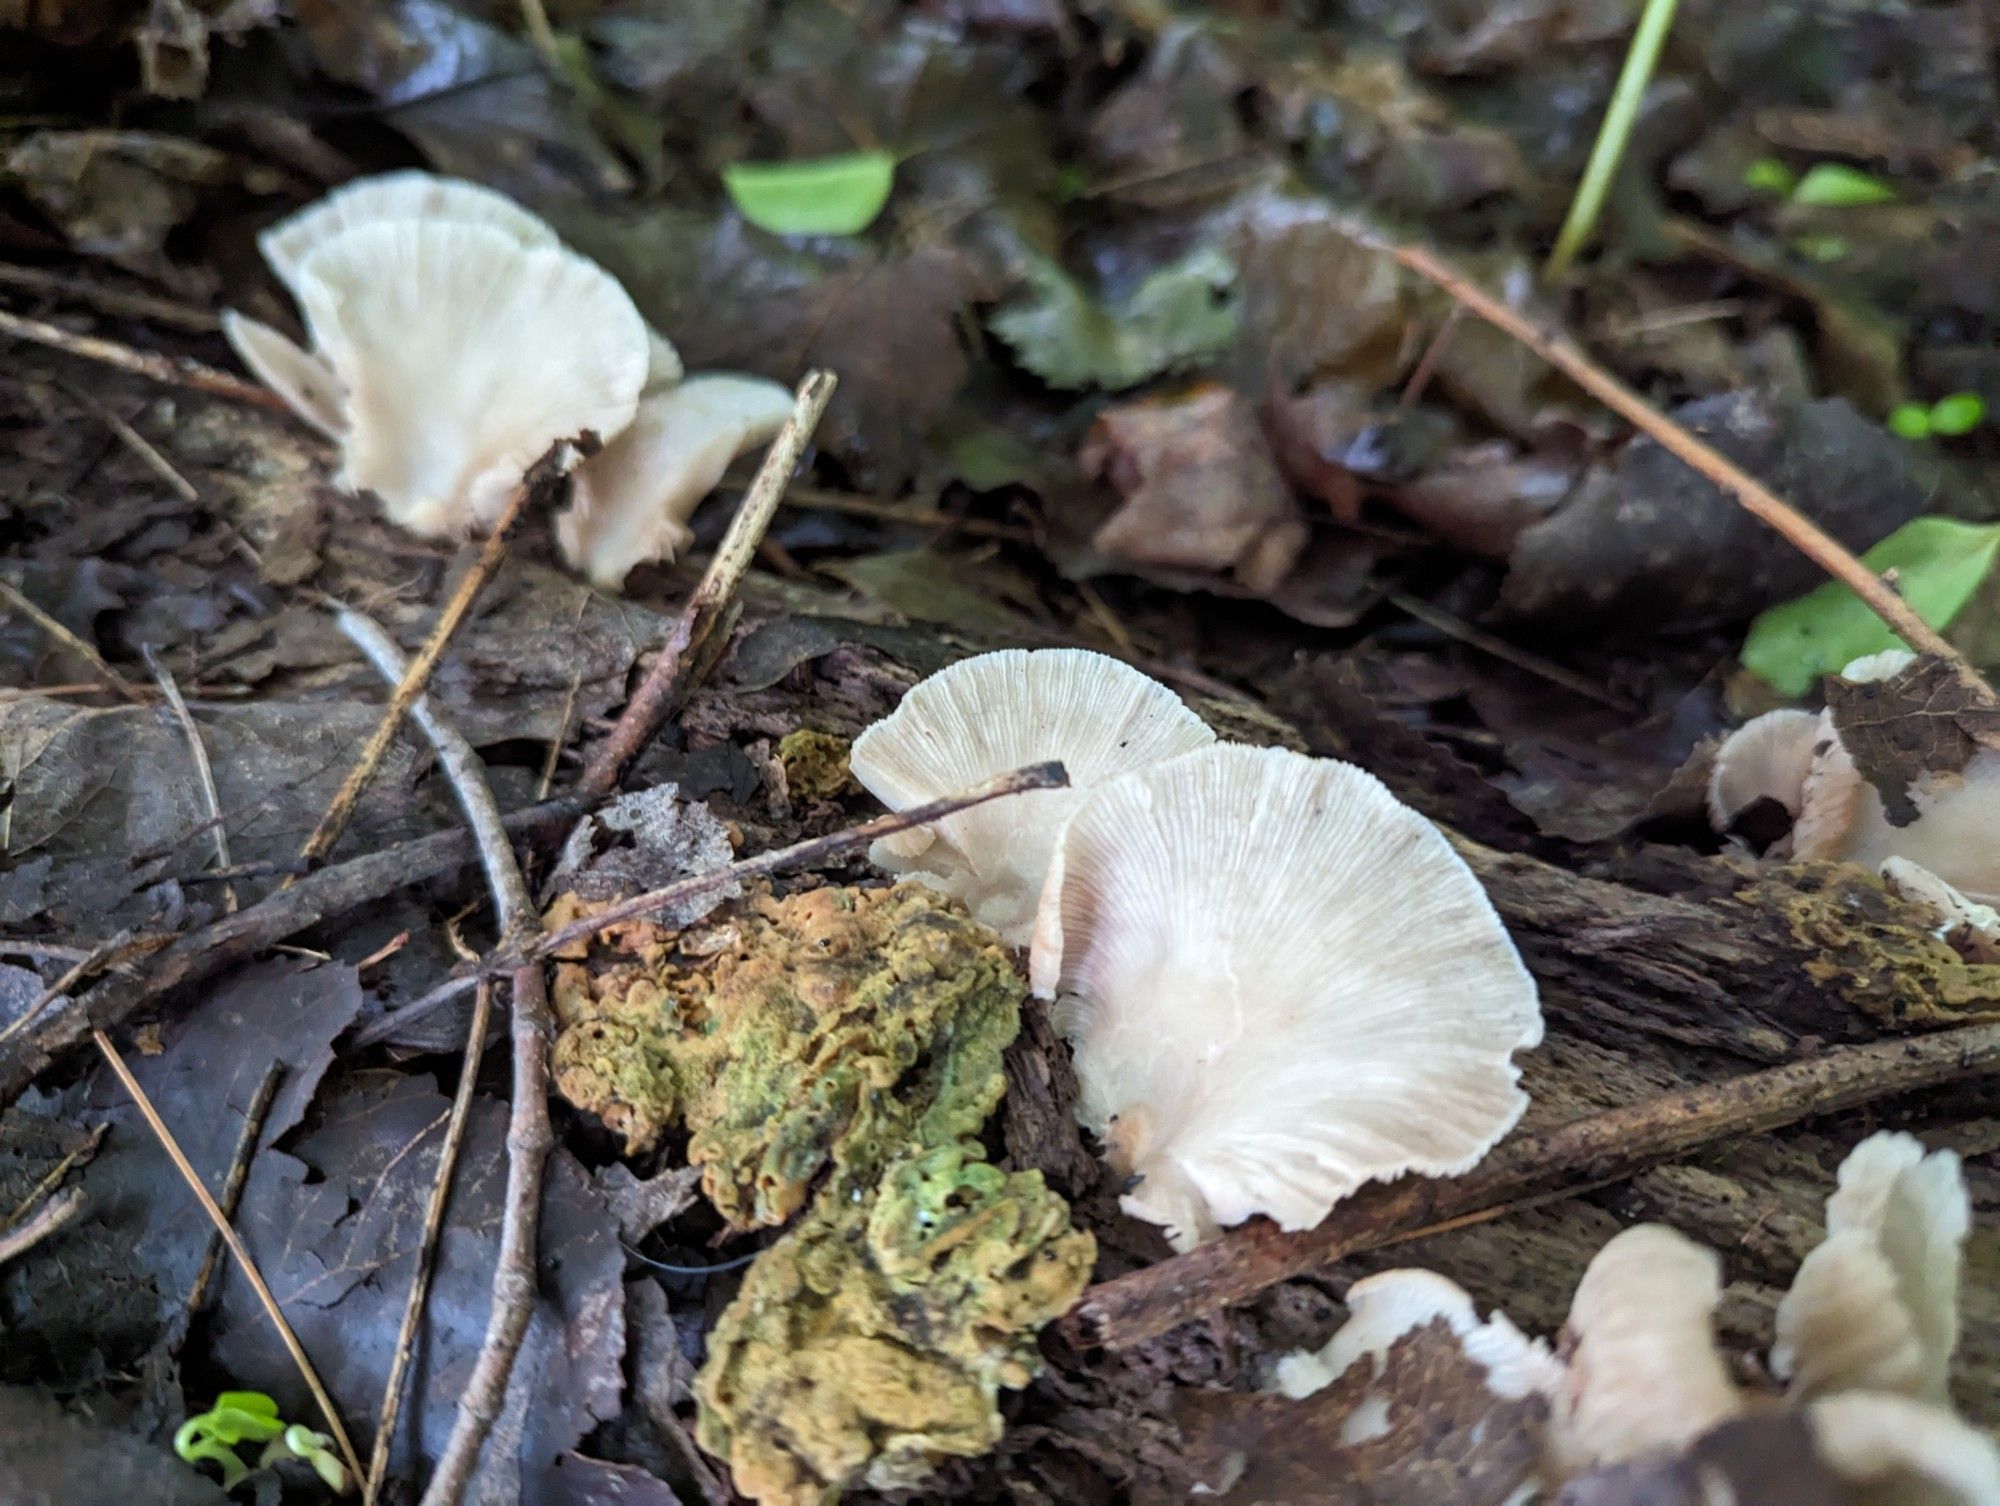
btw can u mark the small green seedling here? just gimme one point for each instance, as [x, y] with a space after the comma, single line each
[1769, 175]
[1834, 185]
[1960, 413]
[815, 196]
[252, 1417]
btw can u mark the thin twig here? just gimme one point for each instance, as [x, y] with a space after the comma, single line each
[670, 676]
[491, 553]
[462, 767]
[85, 650]
[817, 499]
[1583, 1154]
[1041, 776]
[173, 371]
[239, 1174]
[236, 1247]
[1501, 649]
[1432, 358]
[529, 1133]
[110, 300]
[198, 756]
[53, 1177]
[147, 452]
[529, 1139]
[420, 1281]
[48, 1218]
[1751, 494]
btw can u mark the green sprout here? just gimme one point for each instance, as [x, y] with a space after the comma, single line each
[252, 1417]
[1769, 175]
[1952, 416]
[1834, 185]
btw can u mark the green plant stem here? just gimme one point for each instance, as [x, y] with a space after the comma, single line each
[1612, 136]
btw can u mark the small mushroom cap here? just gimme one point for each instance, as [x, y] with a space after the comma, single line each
[302, 379]
[1875, 1306]
[1905, 1453]
[1767, 758]
[630, 502]
[1384, 1307]
[391, 197]
[996, 712]
[1643, 1370]
[465, 356]
[1281, 983]
[1973, 930]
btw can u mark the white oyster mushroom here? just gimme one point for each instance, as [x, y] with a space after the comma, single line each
[1972, 930]
[997, 712]
[1899, 1452]
[629, 504]
[1767, 758]
[1280, 983]
[1643, 1372]
[464, 356]
[388, 198]
[305, 382]
[1382, 1309]
[1875, 1306]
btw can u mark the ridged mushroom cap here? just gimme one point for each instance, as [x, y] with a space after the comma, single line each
[464, 356]
[996, 712]
[302, 379]
[1382, 1309]
[393, 197]
[1280, 983]
[1767, 758]
[1875, 1306]
[629, 504]
[1643, 1370]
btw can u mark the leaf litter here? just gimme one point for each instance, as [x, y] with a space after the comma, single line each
[1118, 367]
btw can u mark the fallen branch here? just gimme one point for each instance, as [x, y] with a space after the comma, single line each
[1581, 1155]
[529, 1134]
[173, 371]
[681, 657]
[48, 1218]
[238, 1175]
[1821, 547]
[1041, 776]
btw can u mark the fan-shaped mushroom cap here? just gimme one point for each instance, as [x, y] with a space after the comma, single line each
[1767, 758]
[995, 712]
[464, 356]
[390, 197]
[1282, 983]
[1972, 930]
[1383, 1308]
[630, 503]
[1905, 1453]
[1875, 1306]
[1643, 1370]
[302, 379]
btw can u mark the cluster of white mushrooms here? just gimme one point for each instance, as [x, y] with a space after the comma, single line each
[455, 341]
[1864, 1341]
[1949, 856]
[1214, 921]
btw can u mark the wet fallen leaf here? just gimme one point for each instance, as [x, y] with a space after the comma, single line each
[1178, 317]
[1201, 488]
[1921, 722]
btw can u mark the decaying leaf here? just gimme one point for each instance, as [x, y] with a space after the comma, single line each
[1922, 722]
[1201, 488]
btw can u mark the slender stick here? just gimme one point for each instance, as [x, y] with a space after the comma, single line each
[198, 756]
[1585, 1153]
[174, 371]
[1751, 494]
[48, 1218]
[420, 1282]
[1041, 776]
[529, 1133]
[338, 813]
[236, 1247]
[110, 300]
[1609, 149]
[239, 1174]
[668, 679]
[78, 646]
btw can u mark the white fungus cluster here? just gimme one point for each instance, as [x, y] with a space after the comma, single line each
[1279, 982]
[454, 342]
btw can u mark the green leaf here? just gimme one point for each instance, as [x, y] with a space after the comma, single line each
[1821, 247]
[817, 196]
[1834, 185]
[256, 1403]
[1769, 175]
[1910, 421]
[1939, 564]
[1960, 413]
[1181, 315]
